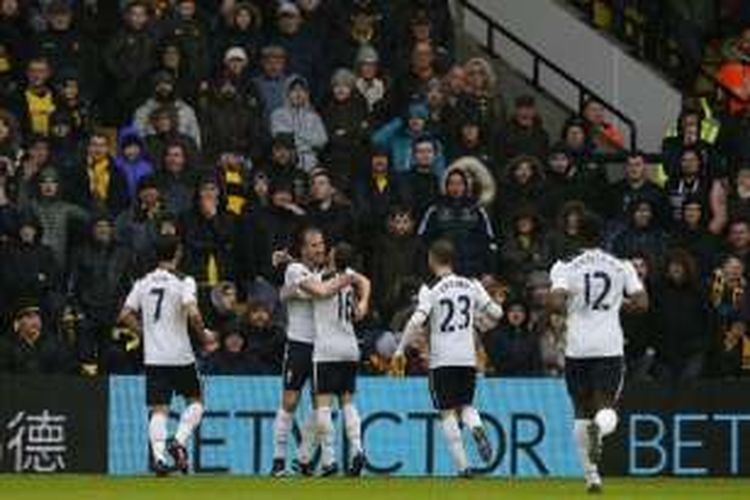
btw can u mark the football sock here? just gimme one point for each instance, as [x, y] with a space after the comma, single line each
[353, 428]
[281, 426]
[325, 435]
[157, 435]
[580, 430]
[470, 417]
[189, 420]
[455, 443]
[308, 439]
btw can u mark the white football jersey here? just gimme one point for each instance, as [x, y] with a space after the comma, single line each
[451, 304]
[300, 317]
[335, 338]
[596, 283]
[162, 298]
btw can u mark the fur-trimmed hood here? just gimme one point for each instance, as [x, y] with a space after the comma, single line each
[481, 183]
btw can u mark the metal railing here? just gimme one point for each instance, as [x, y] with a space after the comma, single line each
[493, 29]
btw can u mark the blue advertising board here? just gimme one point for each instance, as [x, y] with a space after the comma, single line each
[528, 420]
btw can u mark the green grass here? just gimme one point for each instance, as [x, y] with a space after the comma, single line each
[235, 488]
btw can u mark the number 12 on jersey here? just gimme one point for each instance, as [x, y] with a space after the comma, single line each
[597, 302]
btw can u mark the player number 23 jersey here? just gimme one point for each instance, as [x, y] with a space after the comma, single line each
[596, 283]
[451, 305]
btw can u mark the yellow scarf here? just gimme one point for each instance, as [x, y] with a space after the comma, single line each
[212, 271]
[235, 202]
[99, 178]
[381, 182]
[40, 109]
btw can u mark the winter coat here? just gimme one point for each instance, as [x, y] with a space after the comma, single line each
[47, 355]
[517, 140]
[305, 123]
[117, 191]
[679, 335]
[101, 276]
[187, 121]
[305, 57]
[336, 221]
[396, 138]
[397, 262]
[348, 128]
[419, 189]
[204, 239]
[135, 170]
[513, 351]
[58, 220]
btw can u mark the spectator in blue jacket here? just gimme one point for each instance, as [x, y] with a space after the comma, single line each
[131, 160]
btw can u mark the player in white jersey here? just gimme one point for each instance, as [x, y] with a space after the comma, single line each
[302, 284]
[450, 306]
[590, 289]
[162, 306]
[336, 359]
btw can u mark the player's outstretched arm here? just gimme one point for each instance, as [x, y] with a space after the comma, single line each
[324, 289]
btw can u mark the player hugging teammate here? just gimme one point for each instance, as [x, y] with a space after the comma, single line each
[324, 298]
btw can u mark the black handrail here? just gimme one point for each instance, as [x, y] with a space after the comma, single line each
[584, 92]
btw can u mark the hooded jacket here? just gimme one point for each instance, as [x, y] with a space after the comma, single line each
[132, 170]
[305, 123]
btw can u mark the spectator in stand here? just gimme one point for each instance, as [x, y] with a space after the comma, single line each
[738, 199]
[233, 174]
[298, 117]
[358, 24]
[208, 235]
[512, 348]
[129, 57]
[303, 49]
[443, 118]
[188, 30]
[29, 268]
[65, 144]
[640, 328]
[728, 295]
[176, 179]
[36, 156]
[412, 84]
[271, 82]
[138, 227]
[100, 276]
[284, 164]
[522, 186]
[578, 142]
[324, 212]
[131, 160]
[164, 124]
[459, 215]
[10, 136]
[35, 102]
[31, 348]
[470, 142]
[525, 249]
[70, 99]
[421, 186]
[566, 241]
[58, 219]
[265, 341]
[734, 75]
[420, 30]
[562, 183]
[738, 240]
[400, 136]
[551, 333]
[636, 186]
[346, 118]
[172, 59]
[693, 236]
[230, 123]
[438, 13]
[398, 259]
[483, 97]
[241, 28]
[642, 235]
[688, 136]
[524, 133]
[61, 43]
[371, 83]
[682, 339]
[690, 182]
[233, 358]
[374, 195]
[99, 184]
[605, 136]
[237, 70]
[164, 95]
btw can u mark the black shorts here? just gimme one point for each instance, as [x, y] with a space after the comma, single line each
[297, 365]
[335, 378]
[162, 382]
[585, 376]
[452, 386]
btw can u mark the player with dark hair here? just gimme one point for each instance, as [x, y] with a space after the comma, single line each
[302, 284]
[161, 306]
[590, 289]
[336, 358]
[450, 305]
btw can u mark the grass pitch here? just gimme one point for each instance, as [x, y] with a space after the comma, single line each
[235, 488]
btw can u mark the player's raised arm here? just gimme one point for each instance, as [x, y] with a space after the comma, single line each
[364, 290]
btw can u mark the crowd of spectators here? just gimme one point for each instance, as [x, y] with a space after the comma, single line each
[233, 124]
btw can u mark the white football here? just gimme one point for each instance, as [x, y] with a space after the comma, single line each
[606, 419]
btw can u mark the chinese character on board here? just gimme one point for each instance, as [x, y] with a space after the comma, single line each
[37, 442]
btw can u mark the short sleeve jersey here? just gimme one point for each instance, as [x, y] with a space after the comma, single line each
[335, 337]
[596, 283]
[451, 304]
[301, 320]
[162, 299]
